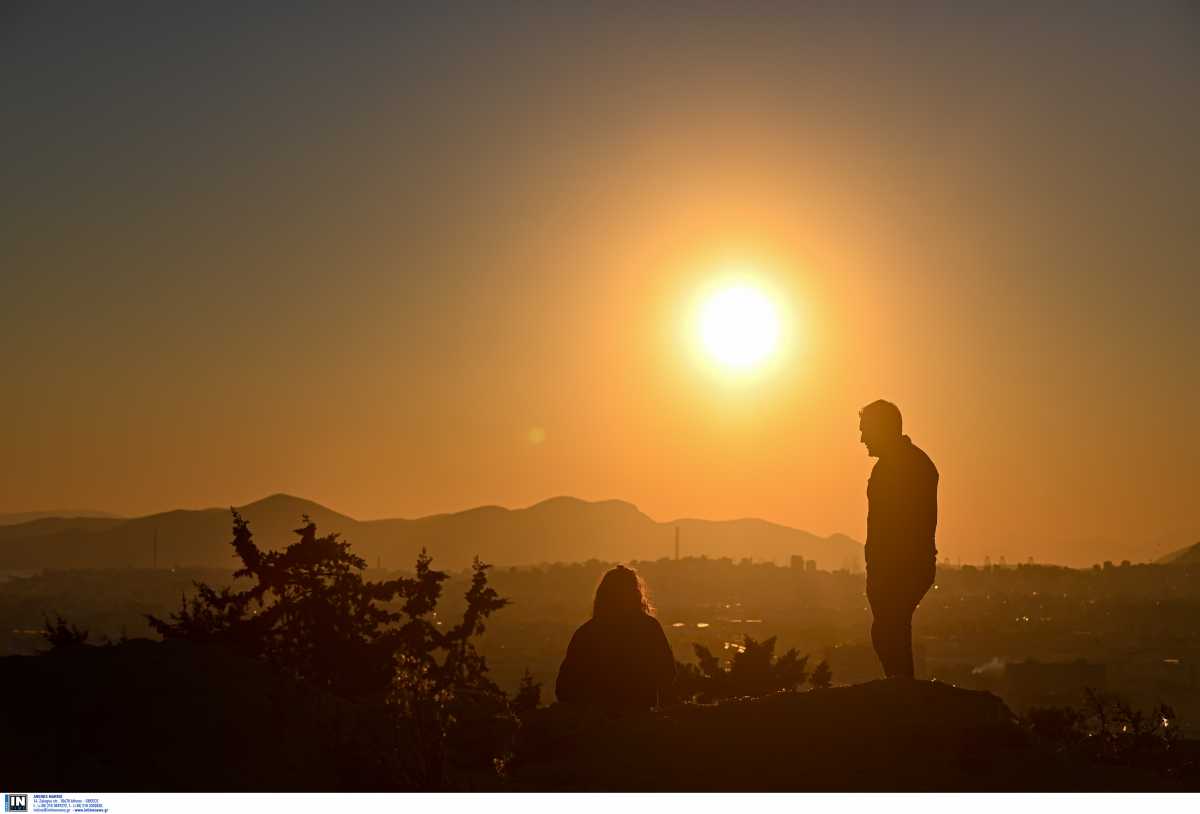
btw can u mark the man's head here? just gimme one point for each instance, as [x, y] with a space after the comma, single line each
[880, 425]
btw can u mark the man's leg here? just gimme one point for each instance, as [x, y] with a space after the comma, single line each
[890, 630]
[907, 606]
[892, 606]
[904, 654]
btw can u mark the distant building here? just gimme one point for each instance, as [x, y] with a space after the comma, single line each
[798, 563]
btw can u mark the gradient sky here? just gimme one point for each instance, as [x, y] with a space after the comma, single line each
[408, 262]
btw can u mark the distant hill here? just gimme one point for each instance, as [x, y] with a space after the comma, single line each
[561, 529]
[25, 517]
[1188, 555]
[46, 526]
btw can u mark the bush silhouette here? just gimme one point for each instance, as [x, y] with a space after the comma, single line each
[753, 671]
[822, 676]
[1108, 730]
[310, 614]
[529, 695]
[62, 634]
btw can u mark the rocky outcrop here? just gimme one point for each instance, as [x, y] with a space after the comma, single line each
[880, 736]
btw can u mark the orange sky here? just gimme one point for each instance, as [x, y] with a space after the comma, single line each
[361, 262]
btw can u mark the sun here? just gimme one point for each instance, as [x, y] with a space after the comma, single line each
[739, 326]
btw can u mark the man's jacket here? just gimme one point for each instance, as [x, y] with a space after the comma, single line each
[901, 510]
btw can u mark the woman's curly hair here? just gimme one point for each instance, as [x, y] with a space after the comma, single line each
[621, 592]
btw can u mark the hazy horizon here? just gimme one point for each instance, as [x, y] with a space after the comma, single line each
[406, 264]
[1073, 556]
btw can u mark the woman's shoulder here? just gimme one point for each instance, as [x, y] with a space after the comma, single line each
[625, 622]
[649, 622]
[588, 630]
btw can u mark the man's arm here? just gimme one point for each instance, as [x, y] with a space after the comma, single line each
[876, 522]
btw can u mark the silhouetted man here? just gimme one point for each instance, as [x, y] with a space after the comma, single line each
[901, 518]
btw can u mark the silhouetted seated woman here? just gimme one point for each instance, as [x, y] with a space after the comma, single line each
[619, 660]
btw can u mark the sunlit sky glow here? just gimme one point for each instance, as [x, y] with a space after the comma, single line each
[739, 326]
[405, 263]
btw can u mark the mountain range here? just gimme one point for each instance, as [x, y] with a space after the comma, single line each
[24, 517]
[561, 529]
[1188, 555]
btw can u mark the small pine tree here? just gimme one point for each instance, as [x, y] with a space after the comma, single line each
[791, 670]
[61, 634]
[750, 670]
[822, 676]
[529, 695]
[753, 671]
[710, 665]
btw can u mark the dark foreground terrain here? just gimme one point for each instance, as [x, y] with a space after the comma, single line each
[879, 736]
[144, 715]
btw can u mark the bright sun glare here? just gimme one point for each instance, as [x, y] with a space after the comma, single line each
[739, 326]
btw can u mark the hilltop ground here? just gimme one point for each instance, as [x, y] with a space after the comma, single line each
[175, 717]
[878, 736]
